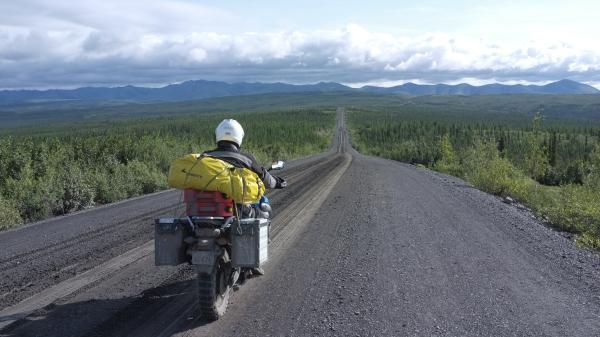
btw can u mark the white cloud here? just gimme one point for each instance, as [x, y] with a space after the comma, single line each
[94, 42]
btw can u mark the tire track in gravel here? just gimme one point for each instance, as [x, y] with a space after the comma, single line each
[43, 267]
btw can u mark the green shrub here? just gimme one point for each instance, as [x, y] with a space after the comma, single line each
[577, 209]
[75, 191]
[448, 162]
[107, 188]
[35, 199]
[484, 168]
[592, 179]
[535, 157]
[145, 179]
[588, 240]
[9, 216]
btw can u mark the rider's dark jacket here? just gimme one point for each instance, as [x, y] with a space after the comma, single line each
[229, 152]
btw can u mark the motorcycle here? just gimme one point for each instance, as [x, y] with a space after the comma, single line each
[225, 242]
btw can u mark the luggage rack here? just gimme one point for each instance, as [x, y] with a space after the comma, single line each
[204, 218]
[199, 221]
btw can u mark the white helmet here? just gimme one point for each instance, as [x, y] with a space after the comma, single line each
[231, 130]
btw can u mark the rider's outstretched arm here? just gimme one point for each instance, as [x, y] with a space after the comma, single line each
[269, 180]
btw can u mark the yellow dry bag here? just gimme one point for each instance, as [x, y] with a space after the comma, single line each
[206, 173]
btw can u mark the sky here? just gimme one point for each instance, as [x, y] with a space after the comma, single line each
[66, 44]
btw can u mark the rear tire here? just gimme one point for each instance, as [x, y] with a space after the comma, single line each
[214, 290]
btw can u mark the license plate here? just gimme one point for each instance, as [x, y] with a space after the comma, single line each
[204, 258]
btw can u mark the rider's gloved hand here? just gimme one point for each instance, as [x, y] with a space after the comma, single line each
[281, 183]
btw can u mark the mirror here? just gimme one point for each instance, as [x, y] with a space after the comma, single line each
[277, 165]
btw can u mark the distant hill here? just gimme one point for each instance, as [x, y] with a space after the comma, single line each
[200, 89]
[560, 87]
[190, 90]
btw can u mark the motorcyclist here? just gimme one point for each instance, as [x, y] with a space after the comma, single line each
[229, 135]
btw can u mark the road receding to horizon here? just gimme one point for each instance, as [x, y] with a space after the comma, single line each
[362, 246]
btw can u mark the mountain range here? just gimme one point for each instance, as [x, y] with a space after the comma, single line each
[200, 89]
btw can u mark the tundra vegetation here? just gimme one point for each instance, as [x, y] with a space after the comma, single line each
[552, 166]
[59, 169]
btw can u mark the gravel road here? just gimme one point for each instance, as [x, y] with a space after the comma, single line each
[362, 246]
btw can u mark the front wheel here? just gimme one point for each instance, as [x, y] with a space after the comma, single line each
[214, 290]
